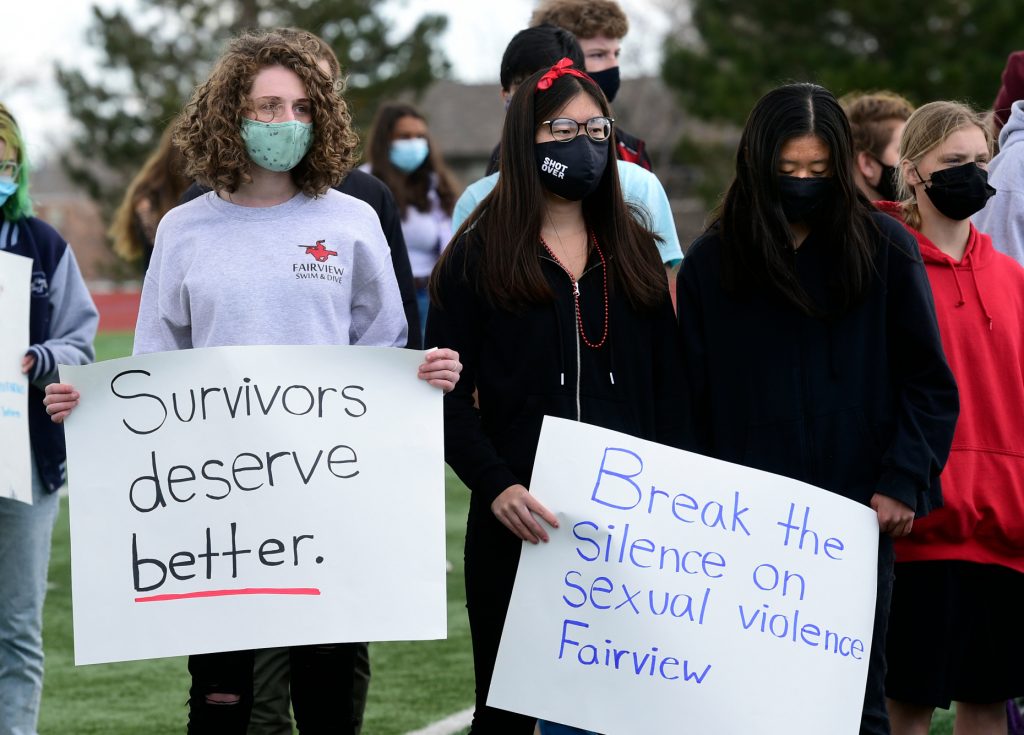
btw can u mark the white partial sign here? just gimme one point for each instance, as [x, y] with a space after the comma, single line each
[15, 448]
[247, 497]
[685, 594]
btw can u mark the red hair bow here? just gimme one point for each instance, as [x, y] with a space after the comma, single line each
[560, 69]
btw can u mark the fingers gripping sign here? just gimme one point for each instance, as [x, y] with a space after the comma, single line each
[441, 368]
[60, 400]
[518, 510]
[894, 517]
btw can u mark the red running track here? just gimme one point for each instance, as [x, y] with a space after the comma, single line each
[118, 310]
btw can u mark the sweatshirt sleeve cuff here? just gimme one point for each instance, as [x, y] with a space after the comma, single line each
[900, 486]
[44, 364]
[495, 481]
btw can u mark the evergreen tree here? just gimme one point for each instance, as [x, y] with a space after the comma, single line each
[736, 50]
[154, 57]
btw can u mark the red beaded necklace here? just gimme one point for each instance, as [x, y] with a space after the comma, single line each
[576, 292]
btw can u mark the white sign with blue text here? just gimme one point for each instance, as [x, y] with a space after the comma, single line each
[683, 594]
[248, 497]
[15, 448]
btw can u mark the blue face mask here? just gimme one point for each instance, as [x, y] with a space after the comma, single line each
[277, 146]
[409, 154]
[7, 188]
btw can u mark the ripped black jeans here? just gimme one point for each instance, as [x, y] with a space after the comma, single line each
[321, 688]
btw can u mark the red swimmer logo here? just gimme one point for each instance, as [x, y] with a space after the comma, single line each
[319, 252]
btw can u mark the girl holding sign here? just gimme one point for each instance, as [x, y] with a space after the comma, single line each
[553, 292]
[270, 133]
[62, 324]
[811, 345]
[959, 586]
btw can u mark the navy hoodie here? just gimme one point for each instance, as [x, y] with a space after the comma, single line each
[62, 326]
[858, 404]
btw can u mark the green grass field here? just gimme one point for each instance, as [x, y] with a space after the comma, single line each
[414, 683]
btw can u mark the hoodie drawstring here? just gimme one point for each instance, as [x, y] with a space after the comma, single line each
[977, 289]
[956, 280]
[981, 299]
[561, 347]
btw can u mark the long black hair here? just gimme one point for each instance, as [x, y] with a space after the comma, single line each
[757, 241]
[505, 227]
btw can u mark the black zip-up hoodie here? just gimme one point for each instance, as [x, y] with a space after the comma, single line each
[859, 404]
[530, 364]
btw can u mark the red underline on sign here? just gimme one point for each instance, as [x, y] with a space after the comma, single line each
[227, 593]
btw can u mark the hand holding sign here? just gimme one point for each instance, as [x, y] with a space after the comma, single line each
[60, 400]
[516, 508]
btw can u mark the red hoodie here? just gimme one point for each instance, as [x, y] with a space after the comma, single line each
[979, 303]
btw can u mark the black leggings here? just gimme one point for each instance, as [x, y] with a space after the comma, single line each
[321, 690]
[492, 557]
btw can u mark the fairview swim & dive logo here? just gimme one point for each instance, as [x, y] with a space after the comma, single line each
[319, 252]
[320, 270]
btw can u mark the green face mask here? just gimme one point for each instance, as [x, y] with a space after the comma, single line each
[277, 146]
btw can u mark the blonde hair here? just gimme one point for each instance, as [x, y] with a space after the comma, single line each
[928, 127]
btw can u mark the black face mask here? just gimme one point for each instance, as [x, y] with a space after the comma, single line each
[803, 199]
[571, 170]
[608, 81]
[960, 191]
[886, 186]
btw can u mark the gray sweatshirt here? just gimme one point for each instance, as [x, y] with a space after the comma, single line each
[1003, 216]
[308, 271]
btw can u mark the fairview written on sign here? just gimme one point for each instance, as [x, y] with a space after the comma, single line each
[258, 488]
[678, 586]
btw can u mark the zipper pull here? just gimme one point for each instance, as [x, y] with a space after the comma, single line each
[575, 288]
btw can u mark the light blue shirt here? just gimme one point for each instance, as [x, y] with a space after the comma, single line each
[639, 187]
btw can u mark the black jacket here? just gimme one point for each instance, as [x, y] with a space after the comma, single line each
[860, 404]
[525, 366]
[371, 190]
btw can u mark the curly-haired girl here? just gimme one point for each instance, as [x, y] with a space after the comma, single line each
[248, 263]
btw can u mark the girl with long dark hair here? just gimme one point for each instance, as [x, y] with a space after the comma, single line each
[402, 154]
[553, 294]
[809, 334]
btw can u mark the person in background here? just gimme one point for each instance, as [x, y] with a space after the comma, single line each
[809, 336]
[271, 133]
[1010, 90]
[599, 26]
[62, 326]
[548, 286]
[401, 153]
[532, 50]
[876, 121]
[959, 585]
[1003, 215]
[151, 194]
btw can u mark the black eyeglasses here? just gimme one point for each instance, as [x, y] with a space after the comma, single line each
[565, 129]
